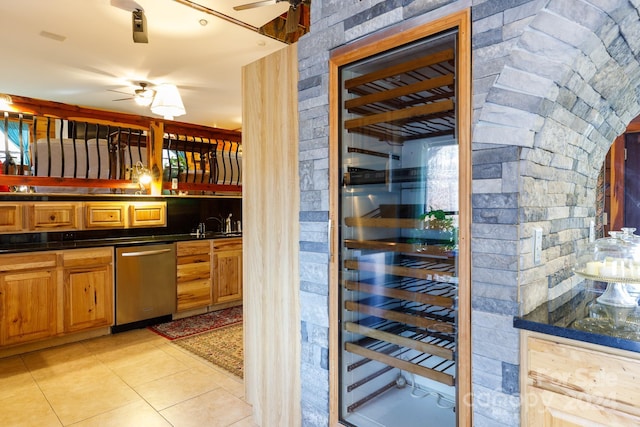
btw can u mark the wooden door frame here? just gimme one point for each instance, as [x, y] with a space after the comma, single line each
[616, 159]
[401, 34]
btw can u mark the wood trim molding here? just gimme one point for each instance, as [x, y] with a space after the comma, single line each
[616, 178]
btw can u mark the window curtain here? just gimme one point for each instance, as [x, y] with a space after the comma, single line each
[17, 143]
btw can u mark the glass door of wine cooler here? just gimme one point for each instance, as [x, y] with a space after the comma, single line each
[398, 237]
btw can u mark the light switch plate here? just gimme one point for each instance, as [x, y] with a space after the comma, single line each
[537, 245]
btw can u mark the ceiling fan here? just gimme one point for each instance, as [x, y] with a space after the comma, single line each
[293, 14]
[142, 96]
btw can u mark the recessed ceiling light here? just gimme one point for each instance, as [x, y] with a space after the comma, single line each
[203, 22]
[261, 42]
[53, 36]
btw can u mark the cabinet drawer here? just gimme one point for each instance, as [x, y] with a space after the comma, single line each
[10, 217]
[87, 257]
[194, 294]
[147, 214]
[105, 215]
[193, 248]
[193, 271]
[232, 244]
[54, 216]
[28, 261]
[558, 366]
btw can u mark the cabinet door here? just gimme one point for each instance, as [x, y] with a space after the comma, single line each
[401, 278]
[549, 409]
[88, 288]
[10, 217]
[227, 271]
[147, 214]
[105, 215]
[88, 297]
[28, 301]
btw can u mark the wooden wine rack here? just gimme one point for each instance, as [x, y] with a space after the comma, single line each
[407, 307]
[399, 295]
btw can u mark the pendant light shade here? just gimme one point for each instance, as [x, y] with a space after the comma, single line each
[167, 102]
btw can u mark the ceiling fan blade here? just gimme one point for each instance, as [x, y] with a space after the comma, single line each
[119, 91]
[254, 5]
[122, 99]
[128, 5]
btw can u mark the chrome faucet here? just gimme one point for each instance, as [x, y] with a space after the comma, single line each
[219, 220]
[228, 224]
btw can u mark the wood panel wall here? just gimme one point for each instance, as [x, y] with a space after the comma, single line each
[270, 238]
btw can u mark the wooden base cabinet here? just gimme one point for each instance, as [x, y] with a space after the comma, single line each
[50, 294]
[194, 274]
[568, 383]
[227, 270]
[88, 289]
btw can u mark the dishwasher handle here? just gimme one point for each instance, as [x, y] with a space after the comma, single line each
[145, 253]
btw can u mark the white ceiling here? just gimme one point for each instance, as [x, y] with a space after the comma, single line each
[98, 56]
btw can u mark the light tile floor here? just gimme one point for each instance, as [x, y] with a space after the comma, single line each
[134, 378]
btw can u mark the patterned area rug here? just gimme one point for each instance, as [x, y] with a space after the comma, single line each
[197, 324]
[223, 347]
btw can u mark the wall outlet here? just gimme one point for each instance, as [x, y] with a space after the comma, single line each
[174, 183]
[537, 245]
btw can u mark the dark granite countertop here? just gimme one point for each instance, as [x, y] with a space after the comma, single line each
[116, 241]
[577, 315]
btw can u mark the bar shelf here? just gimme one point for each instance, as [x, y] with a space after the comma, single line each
[406, 101]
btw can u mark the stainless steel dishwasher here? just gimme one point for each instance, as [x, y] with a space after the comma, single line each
[145, 283]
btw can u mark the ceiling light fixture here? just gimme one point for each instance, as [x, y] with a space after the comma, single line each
[167, 102]
[5, 100]
[144, 99]
[144, 96]
[141, 175]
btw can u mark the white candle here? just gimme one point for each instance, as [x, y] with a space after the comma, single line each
[607, 271]
[592, 268]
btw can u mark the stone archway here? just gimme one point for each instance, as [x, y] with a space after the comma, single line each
[566, 86]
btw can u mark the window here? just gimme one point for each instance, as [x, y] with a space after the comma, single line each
[13, 136]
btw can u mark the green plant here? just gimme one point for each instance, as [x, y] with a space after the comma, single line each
[177, 163]
[174, 167]
[437, 218]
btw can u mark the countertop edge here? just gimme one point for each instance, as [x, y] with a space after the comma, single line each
[120, 241]
[574, 334]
